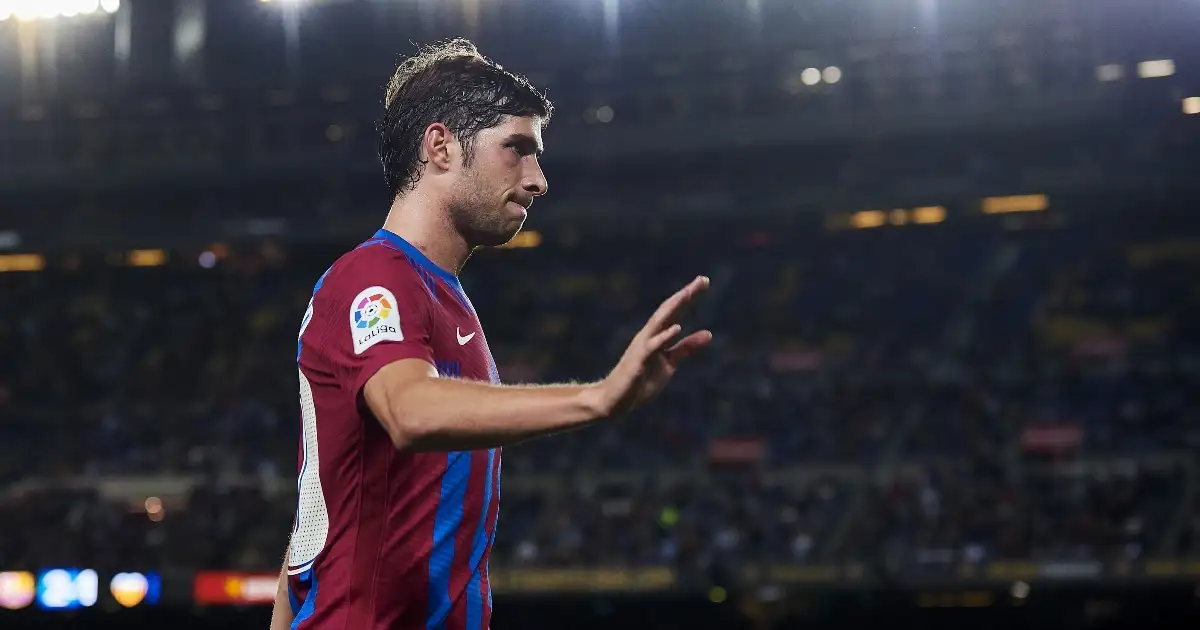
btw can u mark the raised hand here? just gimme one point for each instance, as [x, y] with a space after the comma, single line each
[649, 362]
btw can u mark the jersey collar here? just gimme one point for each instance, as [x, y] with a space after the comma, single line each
[418, 257]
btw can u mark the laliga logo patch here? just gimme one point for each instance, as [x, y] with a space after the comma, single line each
[129, 589]
[374, 318]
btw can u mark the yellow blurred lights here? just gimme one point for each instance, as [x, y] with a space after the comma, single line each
[147, 258]
[868, 219]
[1191, 105]
[22, 262]
[1015, 203]
[524, 240]
[929, 214]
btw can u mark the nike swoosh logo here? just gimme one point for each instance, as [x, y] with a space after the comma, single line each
[462, 341]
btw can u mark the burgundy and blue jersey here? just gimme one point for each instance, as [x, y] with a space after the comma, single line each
[386, 539]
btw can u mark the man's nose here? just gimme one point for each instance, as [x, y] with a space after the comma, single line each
[535, 182]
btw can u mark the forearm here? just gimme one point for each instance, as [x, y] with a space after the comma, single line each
[438, 414]
[281, 612]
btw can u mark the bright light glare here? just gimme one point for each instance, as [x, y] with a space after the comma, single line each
[832, 74]
[1109, 72]
[810, 76]
[1156, 69]
[1191, 105]
[79, 7]
[28, 10]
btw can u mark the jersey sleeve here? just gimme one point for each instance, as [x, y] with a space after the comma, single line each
[379, 314]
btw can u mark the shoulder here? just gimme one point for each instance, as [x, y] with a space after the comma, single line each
[363, 299]
[371, 285]
[373, 268]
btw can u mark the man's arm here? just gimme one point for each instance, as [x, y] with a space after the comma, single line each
[281, 612]
[423, 412]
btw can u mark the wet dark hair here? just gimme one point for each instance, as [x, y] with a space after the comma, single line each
[450, 83]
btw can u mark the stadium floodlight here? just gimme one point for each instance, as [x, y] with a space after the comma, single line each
[30, 10]
[1156, 69]
[82, 7]
[1109, 72]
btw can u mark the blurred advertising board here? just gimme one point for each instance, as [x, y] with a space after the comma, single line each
[593, 580]
[17, 589]
[1051, 438]
[216, 588]
[67, 589]
[230, 588]
[132, 589]
[736, 451]
[71, 588]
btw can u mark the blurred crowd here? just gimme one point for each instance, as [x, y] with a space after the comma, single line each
[989, 388]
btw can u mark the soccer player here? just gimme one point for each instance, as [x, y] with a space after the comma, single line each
[403, 412]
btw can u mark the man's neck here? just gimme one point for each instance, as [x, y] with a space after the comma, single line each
[427, 227]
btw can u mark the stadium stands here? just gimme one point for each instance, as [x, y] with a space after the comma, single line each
[909, 395]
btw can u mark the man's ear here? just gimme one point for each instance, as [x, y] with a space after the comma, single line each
[438, 146]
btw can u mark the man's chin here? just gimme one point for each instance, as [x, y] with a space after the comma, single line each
[499, 237]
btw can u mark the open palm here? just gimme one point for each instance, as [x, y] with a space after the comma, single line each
[649, 363]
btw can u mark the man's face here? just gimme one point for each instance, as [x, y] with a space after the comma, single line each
[493, 194]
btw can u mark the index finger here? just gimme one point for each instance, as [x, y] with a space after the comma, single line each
[674, 305]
